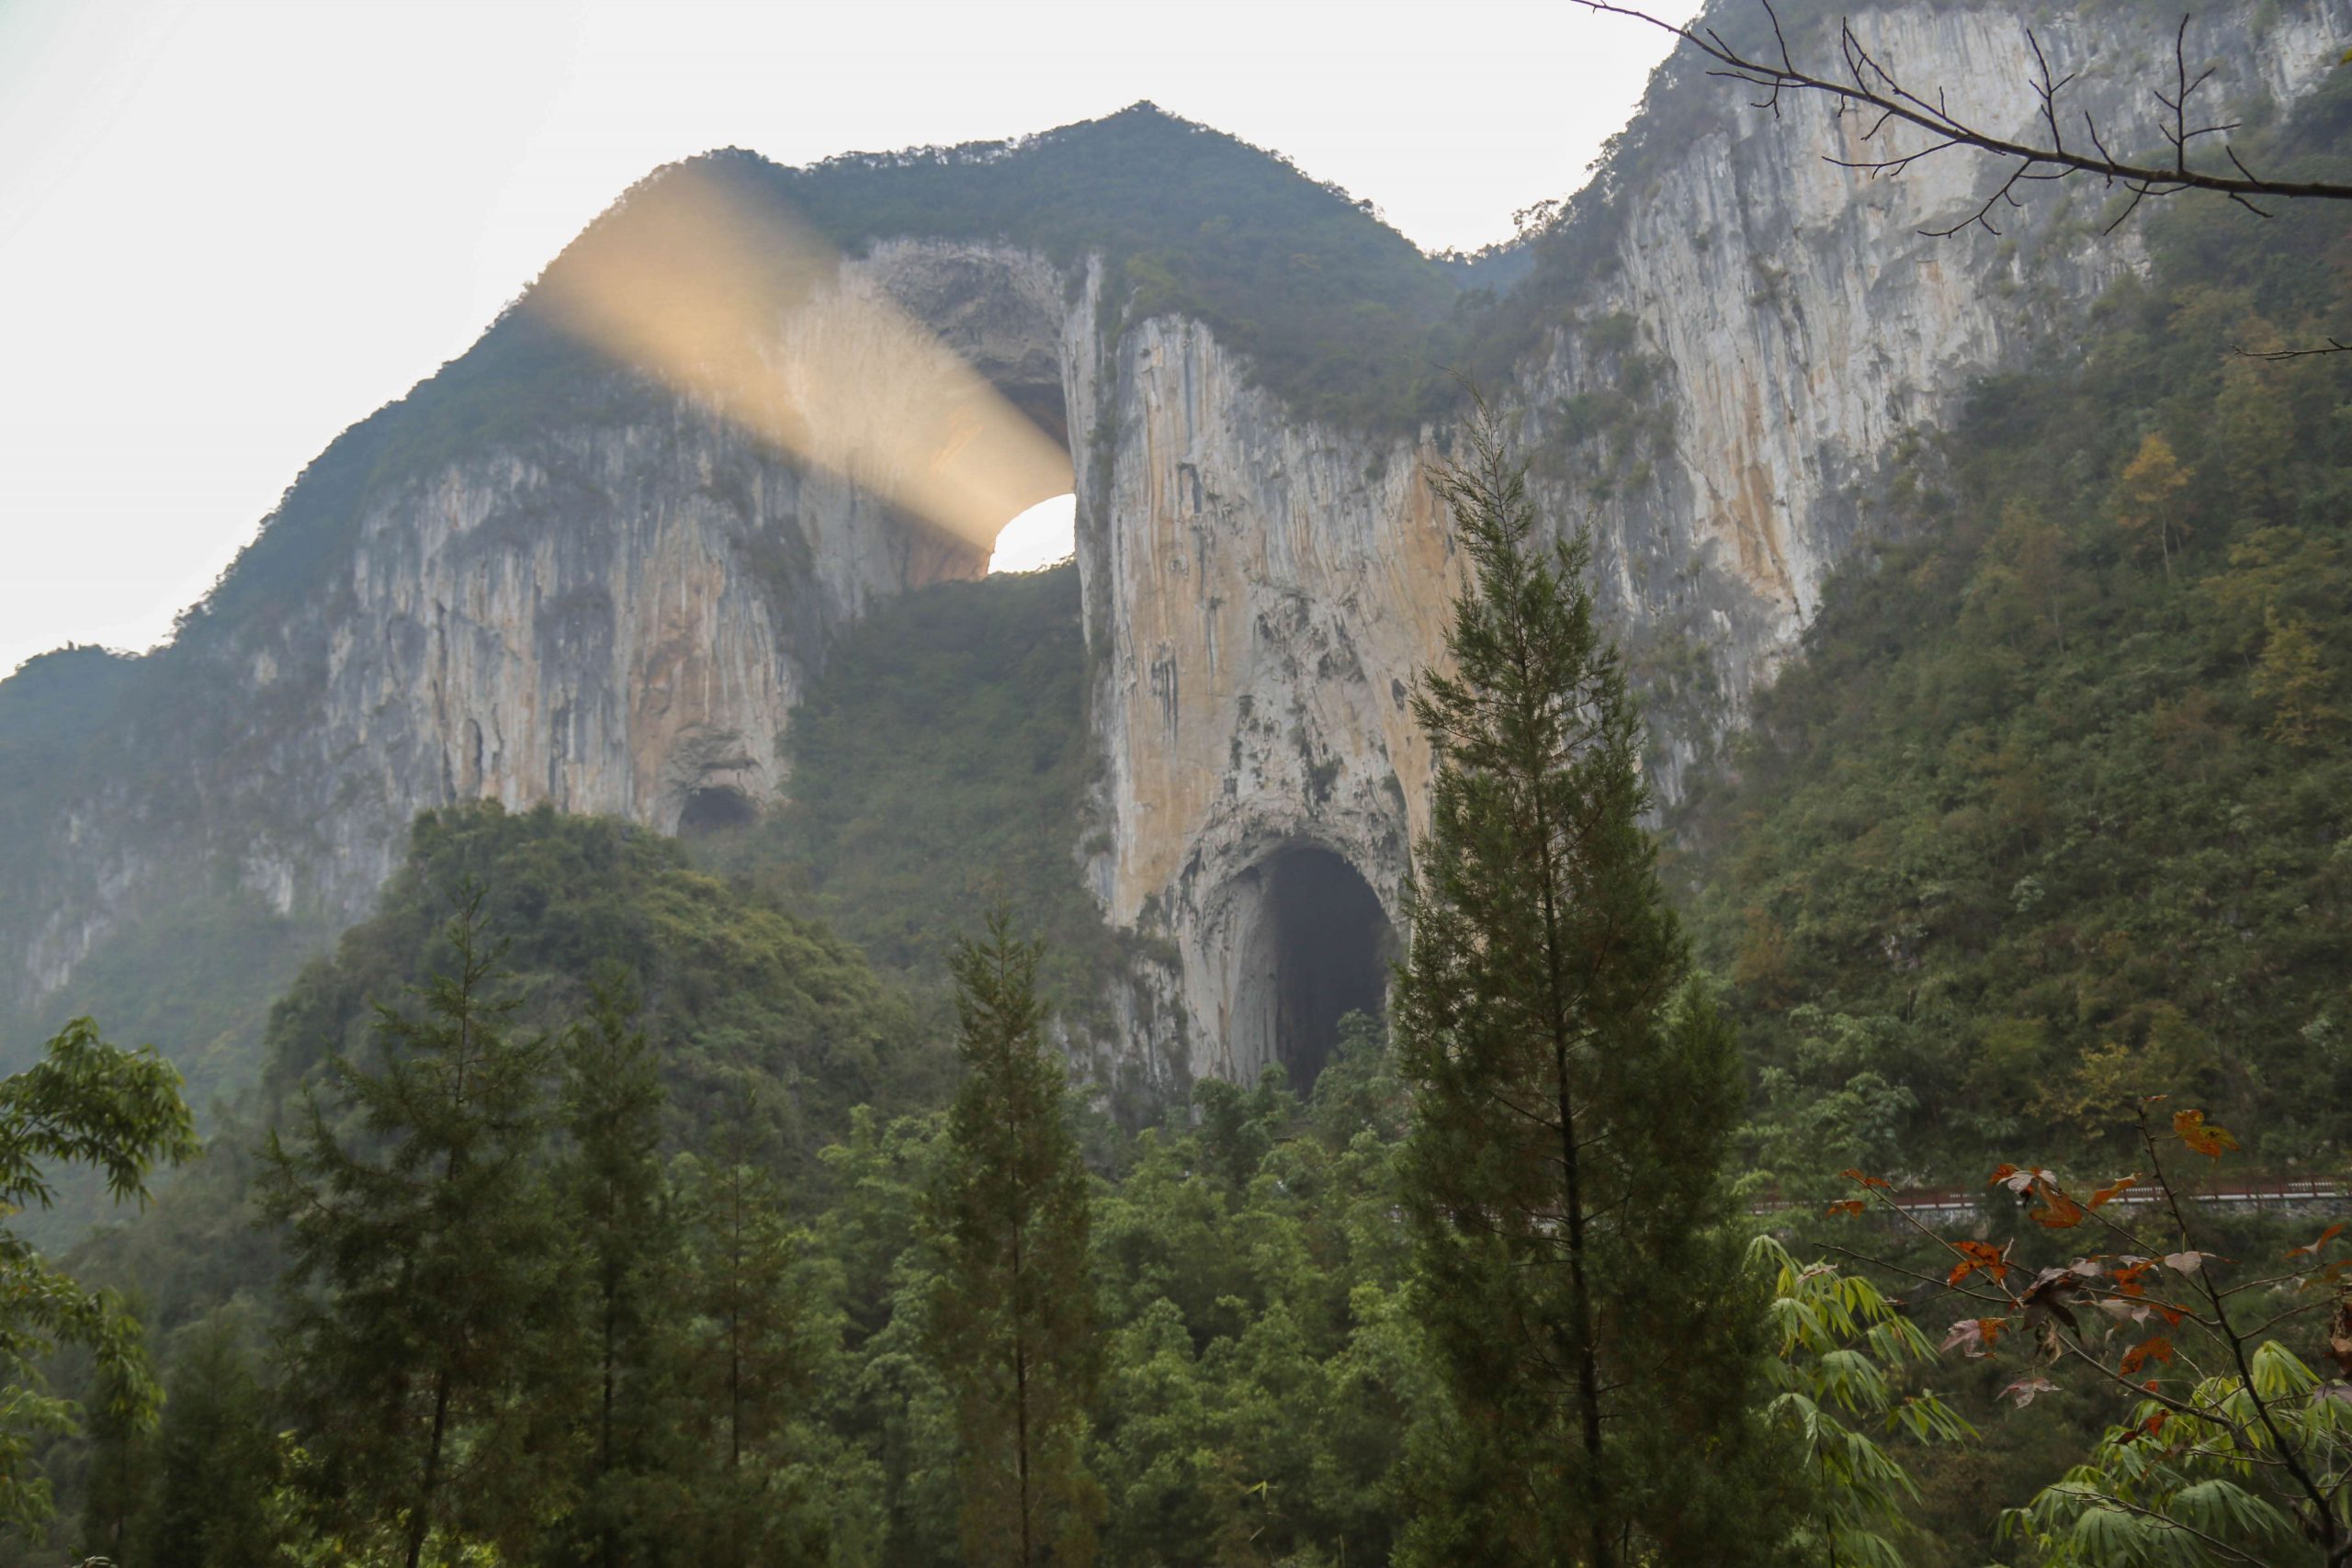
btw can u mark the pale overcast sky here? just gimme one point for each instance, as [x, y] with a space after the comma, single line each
[230, 228]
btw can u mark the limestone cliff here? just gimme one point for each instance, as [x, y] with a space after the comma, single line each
[611, 599]
[1744, 334]
[612, 615]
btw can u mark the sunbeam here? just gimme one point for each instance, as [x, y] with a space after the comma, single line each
[715, 292]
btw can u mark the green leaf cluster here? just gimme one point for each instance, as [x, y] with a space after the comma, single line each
[120, 1112]
[1842, 1346]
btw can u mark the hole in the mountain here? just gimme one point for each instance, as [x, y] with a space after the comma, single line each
[1044, 534]
[1321, 949]
[714, 807]
[1044, 531]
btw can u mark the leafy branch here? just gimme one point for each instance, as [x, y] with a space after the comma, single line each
[2259, 1450]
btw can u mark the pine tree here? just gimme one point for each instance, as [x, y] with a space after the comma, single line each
[763, 1335]
[114, 1485]
[215, 1463]
[1013, 1325]
[612, 1195]
[425, 1289]
[1572, 1090]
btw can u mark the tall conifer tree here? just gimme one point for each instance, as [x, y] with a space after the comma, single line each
[1013, 1322]
[1572, 1091]
[611, 1191]
[426, 1287]
[763, 1338]
[215, 1463]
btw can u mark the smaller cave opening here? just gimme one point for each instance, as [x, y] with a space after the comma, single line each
[715, 809]
[1325, 946]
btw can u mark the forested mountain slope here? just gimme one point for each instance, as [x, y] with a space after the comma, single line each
[2055, 807]
[937, 769]
[768, 1029]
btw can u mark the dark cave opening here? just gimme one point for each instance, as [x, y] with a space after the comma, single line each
[714, 808]
[1332, 947]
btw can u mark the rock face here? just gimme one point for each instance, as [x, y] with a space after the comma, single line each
[612, 615]
[1754, 331]
[619, 614]
[613, 620]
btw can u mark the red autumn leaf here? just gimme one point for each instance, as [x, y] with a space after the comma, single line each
[2329, 1234]
[1847, 1206]
[2158, 1349]
[2152, 1425]
[2114, 1189]
[1850, 1174]
[2003, 1174]
[2058, 1212]
[2192, 1129]
[1976, 1255]
[2024, 1390]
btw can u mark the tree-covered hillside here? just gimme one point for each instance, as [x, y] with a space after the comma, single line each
[751, 1008]
[2055, 807]
[762, 1021]
[938, 766]
[196, 966]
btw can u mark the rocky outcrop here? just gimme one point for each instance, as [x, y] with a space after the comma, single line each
[611, 619]
[618, 613]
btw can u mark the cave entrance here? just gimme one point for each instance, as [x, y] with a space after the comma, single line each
[714, 808]
[1321, 947]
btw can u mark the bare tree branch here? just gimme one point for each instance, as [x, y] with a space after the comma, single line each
[1862, 83]
[2274, 355]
